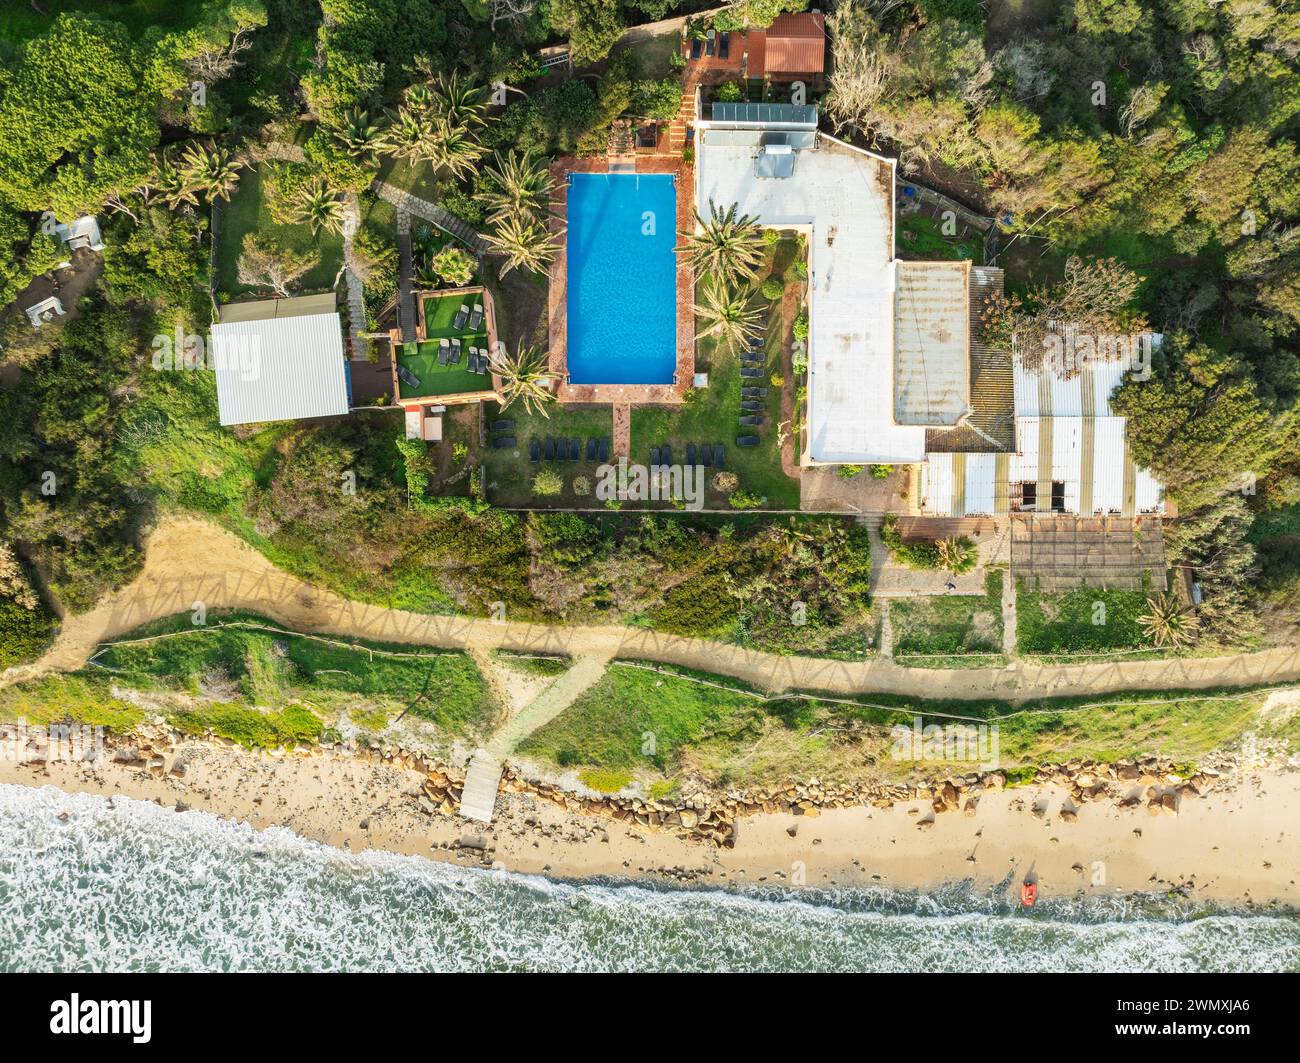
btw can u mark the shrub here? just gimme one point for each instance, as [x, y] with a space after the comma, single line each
[957, 554]
[913, 555]
[581, 485]
[801, 325]
[688, 154]
[743, 500]
[801, 268]
[847, 472]
[881, 472]
[547, 483]
[777, 379]
[773, 288]
[771, 237]
[725, 482]
[728, 92]
[454, 265]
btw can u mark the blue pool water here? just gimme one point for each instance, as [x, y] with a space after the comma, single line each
[622, 278]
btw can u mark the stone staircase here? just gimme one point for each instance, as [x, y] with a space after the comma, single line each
[478, 798]
[431, 212]
[685, 117]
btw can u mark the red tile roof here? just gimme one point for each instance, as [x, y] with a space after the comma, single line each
[796, 44]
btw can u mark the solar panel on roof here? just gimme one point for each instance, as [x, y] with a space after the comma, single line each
[766, 113]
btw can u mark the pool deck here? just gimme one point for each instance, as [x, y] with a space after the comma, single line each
[637, 394]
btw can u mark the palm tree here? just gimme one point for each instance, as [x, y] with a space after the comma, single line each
[525, 376]
[520, 184]
[728, 314]
[359, 133]
[727, 247]
[458, 102]
[320, 207]
[455, 148]
[523, 241]
[1167, 622]
[956, 555]
[213, 171]
[410, 136]
[171, 183]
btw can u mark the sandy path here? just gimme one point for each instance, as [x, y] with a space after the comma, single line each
[189, 560]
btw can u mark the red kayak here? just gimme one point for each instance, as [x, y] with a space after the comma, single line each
[1028, 894]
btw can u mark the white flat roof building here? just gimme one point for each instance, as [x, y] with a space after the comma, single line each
[843, 198]
[279, 360]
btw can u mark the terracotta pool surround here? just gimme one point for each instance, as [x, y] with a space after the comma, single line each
[639, 394]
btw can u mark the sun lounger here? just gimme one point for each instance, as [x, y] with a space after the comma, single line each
[751, 372]
[746, 441]
[753, 393]
[444, 351]
[750, 420]
[666, 454]
[706, 456]
[724, 45]
[575, 448]
[550, 448]
[604, 448]
[462, 315]
[654, 457]
[697, 47]
[502, 442]
[407, 377]
[717, 455]
[591, 449]
[690, 453]
[751, 406]
[476, 317]
[506, 424]
[534, 451]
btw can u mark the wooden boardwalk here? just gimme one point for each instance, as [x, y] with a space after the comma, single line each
[478, 798]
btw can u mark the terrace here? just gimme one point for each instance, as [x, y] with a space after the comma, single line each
[454, 330]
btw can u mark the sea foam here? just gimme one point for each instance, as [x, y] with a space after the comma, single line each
[90, 883]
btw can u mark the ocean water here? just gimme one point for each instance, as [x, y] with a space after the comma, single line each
[87, 884]
[622, 278]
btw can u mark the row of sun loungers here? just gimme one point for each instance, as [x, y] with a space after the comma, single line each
[752, 363]
[449, 352]
[710, 455]
[553, 449]
[501, 437]
[468, 319]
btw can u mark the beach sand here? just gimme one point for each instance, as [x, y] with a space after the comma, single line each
[1238, 844]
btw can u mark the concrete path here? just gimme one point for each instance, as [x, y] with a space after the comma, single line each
[552, 701]
[430, 212]
[189, 561]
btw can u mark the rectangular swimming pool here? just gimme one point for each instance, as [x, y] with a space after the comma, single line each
[622, 278]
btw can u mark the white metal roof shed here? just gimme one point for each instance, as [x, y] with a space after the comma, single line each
[280, 368]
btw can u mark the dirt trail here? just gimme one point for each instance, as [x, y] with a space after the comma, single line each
[189, 560]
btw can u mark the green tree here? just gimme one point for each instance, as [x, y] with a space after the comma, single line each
[727, 247]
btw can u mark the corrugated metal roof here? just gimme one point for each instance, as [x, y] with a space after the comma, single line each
[931, 343]
[269, 309]
[280, 369]
[981, 476]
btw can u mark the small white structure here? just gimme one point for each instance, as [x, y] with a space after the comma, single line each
[44, 311]
[82, 233]
[280, 360]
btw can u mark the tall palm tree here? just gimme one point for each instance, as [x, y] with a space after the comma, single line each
[728, 247]
[520, 184]
[525, 377]
[320, 207]
[1167, 622]
[728, 314]
[522, 241]
[359, 133]
[457, 100]
[410, 136]
[455, 148]
[213, 171]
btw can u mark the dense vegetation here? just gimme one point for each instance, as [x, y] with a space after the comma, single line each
[1159, 136]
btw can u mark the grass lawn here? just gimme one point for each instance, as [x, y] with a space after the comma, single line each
[710, 414]
[510, 473]
[654, 54]
[247, 212]
[950, 624]
[1087, 620]
[420, 179]
[732, 738]
[257, 670]
[435, 379]
[920, 237]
